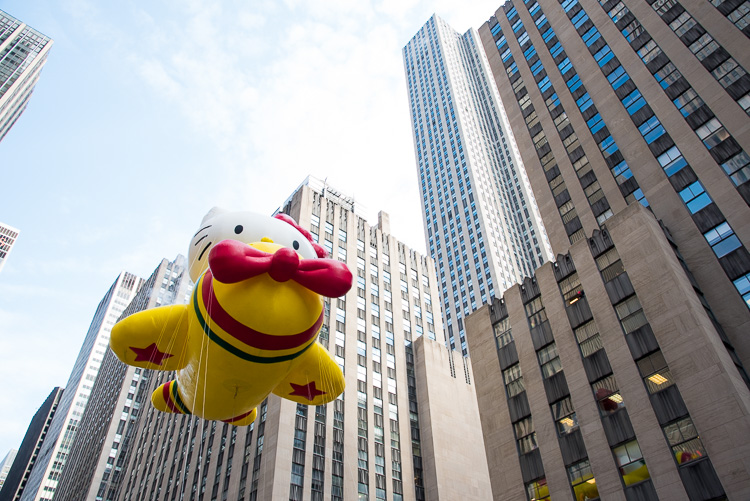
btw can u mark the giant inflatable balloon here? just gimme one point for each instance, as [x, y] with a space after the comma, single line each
[251, 326]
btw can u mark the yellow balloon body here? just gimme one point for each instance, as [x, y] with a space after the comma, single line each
[233, 345]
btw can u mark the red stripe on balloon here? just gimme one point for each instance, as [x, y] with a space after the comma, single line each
[248, 335]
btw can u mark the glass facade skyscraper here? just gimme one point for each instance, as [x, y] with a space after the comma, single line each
[23, 52]
[481, 221]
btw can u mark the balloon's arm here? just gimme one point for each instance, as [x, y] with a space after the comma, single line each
[153, 339]
[315, 380]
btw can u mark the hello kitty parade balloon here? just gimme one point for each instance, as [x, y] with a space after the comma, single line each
[251, 326]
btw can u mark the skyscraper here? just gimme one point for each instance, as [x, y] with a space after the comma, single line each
[427, 444]
[23, 52]
[8, 237]
[19, 473]
[623, 362]
[62, 431]
[616, 102]
[120, 393]
[481, 221]
[5, 465]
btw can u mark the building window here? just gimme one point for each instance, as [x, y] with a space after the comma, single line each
[582, 480]
[743, 287]
[631, 463]
[695, 197]
[513, 380]
[538, 490]
[588, 338]
[502, 332]
[607, 395]
[631, 314]
[655, 372]
[683, 438]
[722, 239]
[564, 416]
[549, 361]
[535, 312]
[610, 265]
[525, 435]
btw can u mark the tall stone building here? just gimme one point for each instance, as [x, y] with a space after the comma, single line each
[62, 431]
[481, 221]
[623, 362]
[388, 339]
[617, 102]
[23, 52]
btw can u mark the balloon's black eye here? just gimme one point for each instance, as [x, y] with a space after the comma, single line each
[295, 244]
[238, 229]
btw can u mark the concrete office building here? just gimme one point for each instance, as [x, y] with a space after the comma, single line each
[604, 375]
[94, 467]
[8, 237]
[617, 102]
[481, 222]
[388, 339]
[23, 52]
[623, 362]
[18, 476]
[62, 431]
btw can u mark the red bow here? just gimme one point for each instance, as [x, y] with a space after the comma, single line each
[232, 261]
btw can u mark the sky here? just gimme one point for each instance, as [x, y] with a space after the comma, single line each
[147, 114]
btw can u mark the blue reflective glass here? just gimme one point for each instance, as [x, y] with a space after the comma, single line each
[501, 42]
[611, 149]
[591, 36]
[620, 80]
[505, 55]
[594, 120]
[548, 34]
[496, 29]
[675, 166]
[698, 203]
[568, 4]
[512, 69]
[584, 102]
[631, 98]
[597, 126]
[565, 65]
[574, 82]
[517, 26]
[541, 21]
[529, 52]
[622, 169]
[537, 67]
[579, 18]
[553, 101]
[604, 55]
[544, 84]
[512, 13]
[556, 49]
[534, 8]
[606, 142]
[726, 246]
[655, 134]
[637, 105]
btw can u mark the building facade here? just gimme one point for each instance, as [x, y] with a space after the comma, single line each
[5, 465]
[23, 52]
[62, 431]
[93, 470]
[388, 339]
[8, 237]
[618, 102]
[481, 222]
[616, 380]
[19, 473]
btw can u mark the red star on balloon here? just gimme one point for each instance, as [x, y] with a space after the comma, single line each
[150, 354]
[309, 391]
